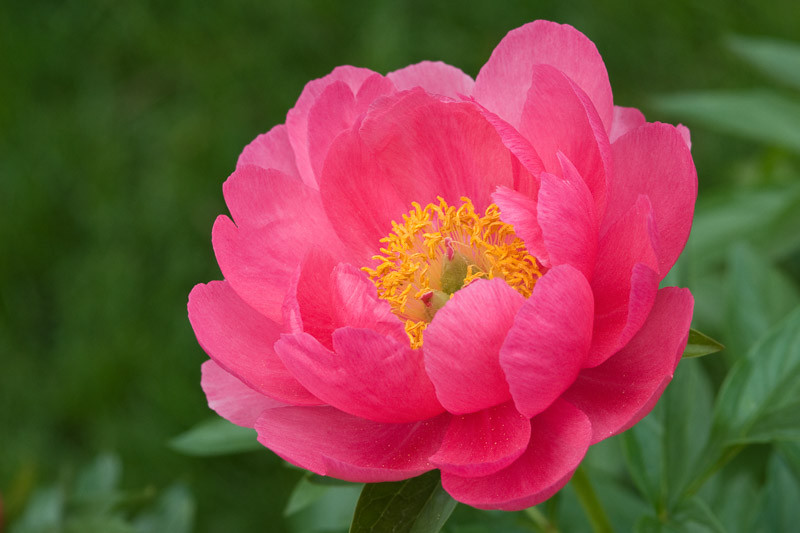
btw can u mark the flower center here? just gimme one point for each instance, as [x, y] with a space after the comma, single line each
[440, 249]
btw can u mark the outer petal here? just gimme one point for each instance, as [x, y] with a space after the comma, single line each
[625, 120]
[625, 281]
[548, 343]
[241, 340]
[621, 391]
[462, 346]
[559, 439]
[654, 160]
[504, 79]
[332, 443]
[482, 443]
[231, 398]
[277, 221]
[410, 147]
[297, 118]
[271, 150]
[559, 117]
[567, 217]
[369, 375]
[433, 76]
[337, 109]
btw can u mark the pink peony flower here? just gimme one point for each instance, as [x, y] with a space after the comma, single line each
[425, 271]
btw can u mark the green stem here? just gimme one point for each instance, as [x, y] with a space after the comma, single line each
[591, 505]
[540, 520]
[698, 483]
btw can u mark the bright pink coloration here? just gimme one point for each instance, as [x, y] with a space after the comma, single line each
[507, 392]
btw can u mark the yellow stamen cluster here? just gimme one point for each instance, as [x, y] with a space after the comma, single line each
[422, 252]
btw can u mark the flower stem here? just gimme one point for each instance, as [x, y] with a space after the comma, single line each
[542, 523]
[591, 505]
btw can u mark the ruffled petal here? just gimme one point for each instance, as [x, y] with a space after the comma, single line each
[566, 215]
[548, 343]
[504, 80]
[332, 443]
[367, 375]
[240, 340]
[560, 437]
[271, 150]
[410, 147]
[297, 117]
[654, 160]
[521, 211]
[621, 391]
[231, 398]
[462, 346]
[277, 221]
[625, 281]
[559, 117]
[479, 444]
[433, 76]
[625, 120]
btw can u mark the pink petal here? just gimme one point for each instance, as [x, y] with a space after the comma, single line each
[527, 181]
[621, 391]
[240, 340]
[559, 117]
[482, 443]
[521, 211]
[462, 346]
[297, 118]
[433, 76]
[271, 150]
[625, 120]
[231, 398]
[567, 218]
[336, 109]
[551, 335]
[686, 134]
[625, 281]
[654, 160]
[356, 303]
[332, 443]
[369, 375]
[278, 221]
[504, 80]
[559, 439]
[410, 147]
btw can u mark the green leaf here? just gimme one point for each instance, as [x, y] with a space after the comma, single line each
[780, 511]
[701, 344]
[759, 295]
[44, 513]
[174, 512]
[417, 505]
[760, 115]
[778, 59]
[760, 398]
[332, 512]
[216, 437]
[304, 494]
[766, 218]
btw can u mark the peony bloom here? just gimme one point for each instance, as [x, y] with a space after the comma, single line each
[425, 271]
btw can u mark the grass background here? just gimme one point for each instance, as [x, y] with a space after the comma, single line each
[119, 121]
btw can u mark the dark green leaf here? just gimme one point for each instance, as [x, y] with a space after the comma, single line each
[760, 398]
[759, 115]
[418, 505]
[700, 344]
[216, 437]
[778, 59]
[333, 511]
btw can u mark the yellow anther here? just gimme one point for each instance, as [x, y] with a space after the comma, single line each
[418, 251]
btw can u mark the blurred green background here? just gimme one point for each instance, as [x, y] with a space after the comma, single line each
[119, 121]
